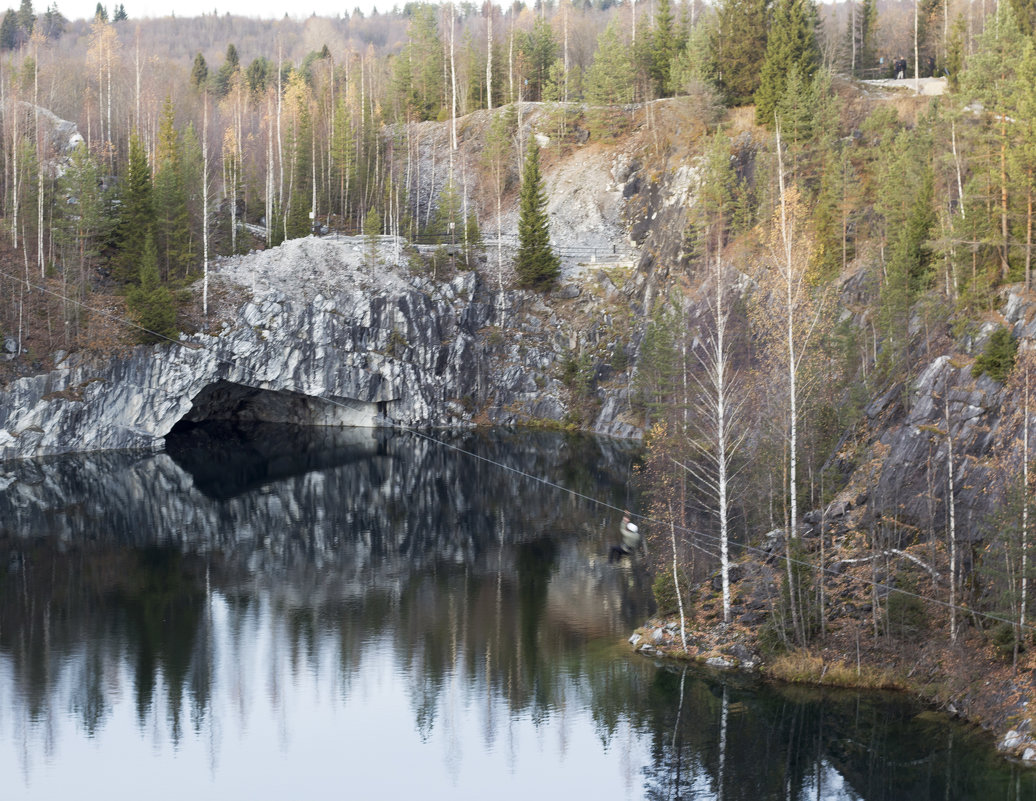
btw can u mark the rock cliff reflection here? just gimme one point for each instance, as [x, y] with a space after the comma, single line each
[270, 613]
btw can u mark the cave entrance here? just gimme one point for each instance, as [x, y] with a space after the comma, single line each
[225, 401]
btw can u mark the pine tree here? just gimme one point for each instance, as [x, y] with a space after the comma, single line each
[739, 47]
[150, 302]
[536, 264]
[792, 45]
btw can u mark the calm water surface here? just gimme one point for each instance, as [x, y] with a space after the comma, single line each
[273, 614]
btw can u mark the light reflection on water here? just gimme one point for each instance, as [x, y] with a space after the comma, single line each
[275, 615]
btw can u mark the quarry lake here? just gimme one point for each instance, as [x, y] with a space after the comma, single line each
[272, 613]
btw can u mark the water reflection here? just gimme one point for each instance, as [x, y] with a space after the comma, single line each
[260, 612]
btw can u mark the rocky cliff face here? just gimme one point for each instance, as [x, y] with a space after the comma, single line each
[903, 469]
[329, 336]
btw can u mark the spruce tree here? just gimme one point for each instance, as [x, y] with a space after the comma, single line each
[199, 71]
[151, 303]
[9, 31]
[738, 48]
[663, 49]
[172, 222]
[792, 45]
[608, 79]
[136, 212]
[536, 265]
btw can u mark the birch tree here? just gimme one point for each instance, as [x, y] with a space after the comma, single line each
[717, 407]
[789, 311]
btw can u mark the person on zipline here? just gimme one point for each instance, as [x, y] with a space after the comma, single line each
[630, 539]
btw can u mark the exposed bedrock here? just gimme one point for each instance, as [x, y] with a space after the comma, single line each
[352, 347]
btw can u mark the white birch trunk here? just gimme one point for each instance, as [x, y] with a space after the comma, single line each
[14, 175]
[453, 90]
[280, 141]
[1023, 602]
[39, 161]
[917, 57]
[952, 523]
[205, 205]
[676, 579]
[269, 171]
[721, 440]
[793, 509]
[489, 59]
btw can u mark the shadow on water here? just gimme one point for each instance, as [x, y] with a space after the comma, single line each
[333, 546]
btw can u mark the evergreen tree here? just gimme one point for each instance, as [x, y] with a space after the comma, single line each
[663, 49]
[53, 23]
[199, 72]
[100, 13]
[739, 47]
[418, 70]
[906, 186]
[136, 212]
[991, 77]
[446, 223]
[656, 378]
[172, 223]
[79, 227]
[861, 28]
[120, 13]
[256, 76]
[536, 264]
[1022, 157]
[191, 171]
[371, 234]
[1025, 14]
[9, 31]
[954, 62]
[150, 301]
[300, 203]
[791, 46]
[26, 19]
[231, 64]
[608, 79]
[539, 50]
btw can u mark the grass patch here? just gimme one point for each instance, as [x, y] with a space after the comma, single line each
[802, 667]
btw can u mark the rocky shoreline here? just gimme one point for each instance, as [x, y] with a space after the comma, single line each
[982, 691]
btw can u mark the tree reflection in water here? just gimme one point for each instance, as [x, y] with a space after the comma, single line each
[221, 577]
